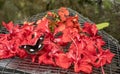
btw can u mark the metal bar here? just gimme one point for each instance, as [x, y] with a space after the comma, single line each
[2, 72]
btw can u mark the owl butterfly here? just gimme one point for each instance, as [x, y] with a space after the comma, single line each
[32, 49]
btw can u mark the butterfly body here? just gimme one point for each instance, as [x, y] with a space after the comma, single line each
[32, 49]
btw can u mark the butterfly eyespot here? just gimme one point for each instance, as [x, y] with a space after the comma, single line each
[39, 46]
[24, 47]
[31, 50]
[41, 38]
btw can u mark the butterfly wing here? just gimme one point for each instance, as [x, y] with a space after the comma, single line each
[40, 40]
[33, 49]
[30, 49]
[39, 45]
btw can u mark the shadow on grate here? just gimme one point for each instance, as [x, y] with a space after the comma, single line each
[25, 66]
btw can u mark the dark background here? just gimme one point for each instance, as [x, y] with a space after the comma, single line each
[96, 10]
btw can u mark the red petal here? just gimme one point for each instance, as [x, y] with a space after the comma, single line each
[42, 25]
[83, 66]
[5, 54]
[8, 26]
[21, 53]
[103, 58]
[90, 47]
[90, 28]
[61, 27]
[49, 13]
[46, 59]
[63, 61]
[33, 58]
[63, 12]
[65, 37]
[109, 56]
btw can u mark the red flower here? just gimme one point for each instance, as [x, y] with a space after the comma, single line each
[83, 66]
[63, 61]
[104, 57]
[90, 46]
[63, 12]
[4, 53]
[90, 28]
[42, 25]
[49, 13]
[46, 59]
[8, 26]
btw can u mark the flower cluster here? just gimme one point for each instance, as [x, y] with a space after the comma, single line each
[66, 43]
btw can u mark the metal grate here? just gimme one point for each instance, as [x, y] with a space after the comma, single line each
[25, 66]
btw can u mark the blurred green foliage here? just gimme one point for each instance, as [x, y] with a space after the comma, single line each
[95, 10]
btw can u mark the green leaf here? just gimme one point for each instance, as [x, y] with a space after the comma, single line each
[102, 25]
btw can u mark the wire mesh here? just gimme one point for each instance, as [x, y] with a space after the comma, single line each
[25, 66]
